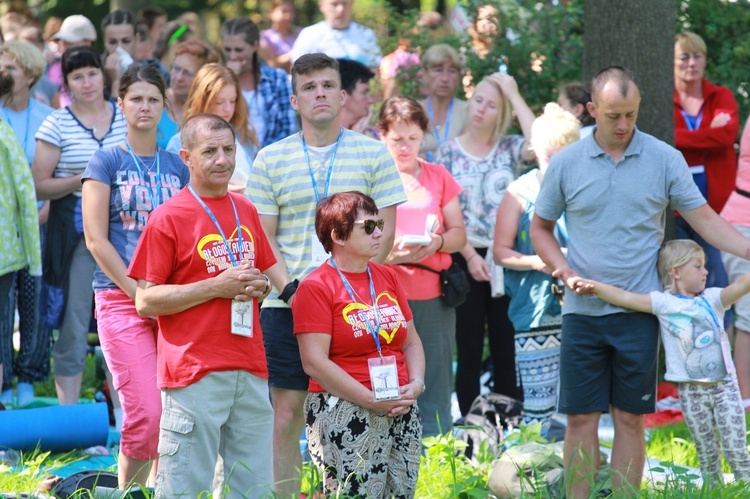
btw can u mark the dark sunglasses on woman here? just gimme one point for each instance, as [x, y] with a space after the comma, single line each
[371, 224]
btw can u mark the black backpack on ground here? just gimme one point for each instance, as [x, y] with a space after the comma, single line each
[488, 416]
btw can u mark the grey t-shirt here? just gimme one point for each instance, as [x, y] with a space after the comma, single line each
[135, 194]
[615, 213]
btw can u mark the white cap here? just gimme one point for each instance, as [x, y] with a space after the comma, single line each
[76, 29]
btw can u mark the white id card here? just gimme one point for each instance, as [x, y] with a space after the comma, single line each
[384, 378]
[319, 255]
[242, 318]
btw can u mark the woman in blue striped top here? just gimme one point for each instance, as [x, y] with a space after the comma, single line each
[65, 142]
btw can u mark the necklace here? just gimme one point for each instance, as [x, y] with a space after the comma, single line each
[140, 160]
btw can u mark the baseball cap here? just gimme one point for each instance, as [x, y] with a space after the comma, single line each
[76, 29]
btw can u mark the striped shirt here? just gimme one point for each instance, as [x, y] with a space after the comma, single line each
[76, 142]
[280, 185]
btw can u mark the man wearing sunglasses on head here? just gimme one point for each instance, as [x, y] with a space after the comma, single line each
[288, 180]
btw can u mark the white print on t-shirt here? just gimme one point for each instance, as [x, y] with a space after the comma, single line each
[212, 249]
[358, 315]
[138, 195]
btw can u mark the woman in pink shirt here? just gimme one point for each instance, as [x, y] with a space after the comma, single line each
[276, 43]
[737, 211]
[432, 194]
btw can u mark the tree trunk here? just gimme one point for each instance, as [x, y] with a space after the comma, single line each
[639, 35]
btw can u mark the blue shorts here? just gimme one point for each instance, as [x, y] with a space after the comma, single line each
[611, 359]
[282, 351]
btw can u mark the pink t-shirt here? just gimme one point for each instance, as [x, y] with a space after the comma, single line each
[737, 208]
[434, 189]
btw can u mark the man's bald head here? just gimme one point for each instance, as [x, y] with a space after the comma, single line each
[620, 76]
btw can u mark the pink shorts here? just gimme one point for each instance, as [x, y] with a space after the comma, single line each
[129, 346]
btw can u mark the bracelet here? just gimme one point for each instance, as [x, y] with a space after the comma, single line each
[420, 381]
[289, 291]
[472, 256]
[442, 242]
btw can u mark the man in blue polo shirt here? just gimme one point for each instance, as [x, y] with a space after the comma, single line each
[614, 187]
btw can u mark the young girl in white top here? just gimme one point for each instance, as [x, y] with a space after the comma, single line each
[697, 352]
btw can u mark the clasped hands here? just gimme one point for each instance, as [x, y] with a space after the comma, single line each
[243, 283]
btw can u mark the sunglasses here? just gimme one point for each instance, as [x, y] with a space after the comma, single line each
[370, 225]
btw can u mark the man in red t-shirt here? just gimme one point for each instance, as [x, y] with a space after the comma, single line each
[198, 266]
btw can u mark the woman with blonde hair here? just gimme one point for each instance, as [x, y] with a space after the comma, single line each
[216, 90]
[442, 73]
[534, 308]
[484, 161]
[706, 125]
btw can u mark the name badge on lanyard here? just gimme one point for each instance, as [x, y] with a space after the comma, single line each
[383, 369]
[384, 378]
[241, 320]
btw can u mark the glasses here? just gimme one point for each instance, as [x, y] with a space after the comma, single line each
[370, 225]
[177, 70]
[685, 57]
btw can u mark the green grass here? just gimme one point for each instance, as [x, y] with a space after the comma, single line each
[444, 471]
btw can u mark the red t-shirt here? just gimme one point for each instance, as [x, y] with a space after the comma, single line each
[434, 189]
[181, 245]
[323, 305]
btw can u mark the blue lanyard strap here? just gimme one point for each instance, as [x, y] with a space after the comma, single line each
[26, 131]
[434, 123]
[693, 122]
[330, 167]
[703, 303]
[153, 192]
[218, 227]
[374, 331]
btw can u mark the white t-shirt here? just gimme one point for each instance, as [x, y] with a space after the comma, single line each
[356, 42]
[696, 346]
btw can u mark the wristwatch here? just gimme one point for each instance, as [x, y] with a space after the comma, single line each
[267, 291]
[420, 381]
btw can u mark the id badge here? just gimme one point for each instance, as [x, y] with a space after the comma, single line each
[242, 318]
[319, 255]
[384, 378]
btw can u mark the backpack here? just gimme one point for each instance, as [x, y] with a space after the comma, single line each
[83, 482]
[488, 416]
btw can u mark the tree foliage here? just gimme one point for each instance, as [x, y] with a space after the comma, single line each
[549, 47]
[540, 43]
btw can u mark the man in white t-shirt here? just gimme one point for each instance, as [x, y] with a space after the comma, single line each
[338, 36]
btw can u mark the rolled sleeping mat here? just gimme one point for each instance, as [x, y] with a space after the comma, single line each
[56, 428]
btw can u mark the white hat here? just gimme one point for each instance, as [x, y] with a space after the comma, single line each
[76, 29]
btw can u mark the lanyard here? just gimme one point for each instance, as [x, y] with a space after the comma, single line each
[26, 131]
[153, 194]
[693, 122]
[221, 232]
[435, 125]
[330, 167]
[374, 331]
